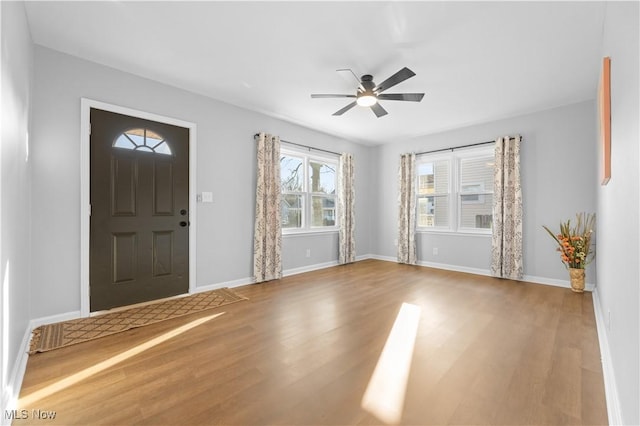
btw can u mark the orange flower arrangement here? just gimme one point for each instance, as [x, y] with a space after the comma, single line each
[574, 243]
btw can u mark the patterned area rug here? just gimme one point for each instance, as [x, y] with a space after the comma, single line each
[53, 336]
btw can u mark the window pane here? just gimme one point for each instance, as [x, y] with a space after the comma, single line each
[163, 148]
[291, 211]
[323, 211]
[291, 174]
[136, 140]
[433, 190]
[124, 142]
[433, 211]
[476, 175]
[476, 211]
[322, 177]
[433, 177]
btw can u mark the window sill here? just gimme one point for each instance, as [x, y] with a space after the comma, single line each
[306, 232]
[454, 233]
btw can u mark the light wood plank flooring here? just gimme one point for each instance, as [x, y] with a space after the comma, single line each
[303, 349]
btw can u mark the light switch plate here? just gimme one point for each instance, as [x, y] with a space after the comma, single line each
[207, 197]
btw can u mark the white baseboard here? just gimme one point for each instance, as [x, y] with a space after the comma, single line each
[12, 392]
[385, 258]
[229, 284]
[456, 268]
[555, 282]
[486, 272]
[610, 387]
[308, 268]
[52, 319]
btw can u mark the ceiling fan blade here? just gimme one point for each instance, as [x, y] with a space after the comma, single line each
[342, 70]
[345, 109]
[378, 110]
[328, 95]
[398, 77]
[411, 97]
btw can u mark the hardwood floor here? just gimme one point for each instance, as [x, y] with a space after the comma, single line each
[303, 349]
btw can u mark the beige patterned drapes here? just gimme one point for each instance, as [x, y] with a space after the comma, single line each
[506, 247]
[407, 210]
[346, 203]
[267, 240]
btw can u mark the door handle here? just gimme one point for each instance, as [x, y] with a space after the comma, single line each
[184, 223]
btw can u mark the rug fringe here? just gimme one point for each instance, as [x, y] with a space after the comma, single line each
[36, 336]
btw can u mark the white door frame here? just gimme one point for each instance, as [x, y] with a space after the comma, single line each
[85, 176]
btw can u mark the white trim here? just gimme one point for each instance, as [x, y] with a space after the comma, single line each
[67, 316]
[309, 268]
[295, 232]
[614, 412]
[229, 284]
[10, 398]
[364, 257]
[456, 268]
[554, 282]
[486, 272]
[466, 232]
[385, 258]
[85, 173]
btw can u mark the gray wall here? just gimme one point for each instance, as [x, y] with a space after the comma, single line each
[17, 63]
[618, 211]
[225, 166]
[558, 163]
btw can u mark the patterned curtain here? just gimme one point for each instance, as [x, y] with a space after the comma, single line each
[407, 212]
[506, 247]
[347, 241]
[267, 239]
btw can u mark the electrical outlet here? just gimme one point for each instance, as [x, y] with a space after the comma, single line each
[435, 251]
[308, 254]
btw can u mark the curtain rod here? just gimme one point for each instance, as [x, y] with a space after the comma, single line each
[458, 147]
[303, 146]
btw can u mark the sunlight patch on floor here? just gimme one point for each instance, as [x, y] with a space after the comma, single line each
[384, 397]
[62, 384]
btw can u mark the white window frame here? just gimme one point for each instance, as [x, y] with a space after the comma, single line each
[307, 196]
[455, 200]
[433, 159]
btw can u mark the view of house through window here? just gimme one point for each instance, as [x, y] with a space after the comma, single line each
[308, 185]
[455, 191]
[433, 193]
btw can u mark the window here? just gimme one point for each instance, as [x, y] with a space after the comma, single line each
[455, 191]
[433, 193]
[308, 185]
[476, 192]
[142, 140]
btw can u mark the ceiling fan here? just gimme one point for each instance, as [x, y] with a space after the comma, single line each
[368, 93]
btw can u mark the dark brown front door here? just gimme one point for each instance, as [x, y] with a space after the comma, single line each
[139, 247]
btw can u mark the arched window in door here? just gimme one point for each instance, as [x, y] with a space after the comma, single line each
[143, 140]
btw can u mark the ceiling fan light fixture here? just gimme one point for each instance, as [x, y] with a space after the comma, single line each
[367, 100]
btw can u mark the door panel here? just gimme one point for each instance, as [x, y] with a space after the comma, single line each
[139, 197]
[123, 184]
[124, 253]
[163, 202]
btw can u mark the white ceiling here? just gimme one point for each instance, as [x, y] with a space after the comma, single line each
[476, 61]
